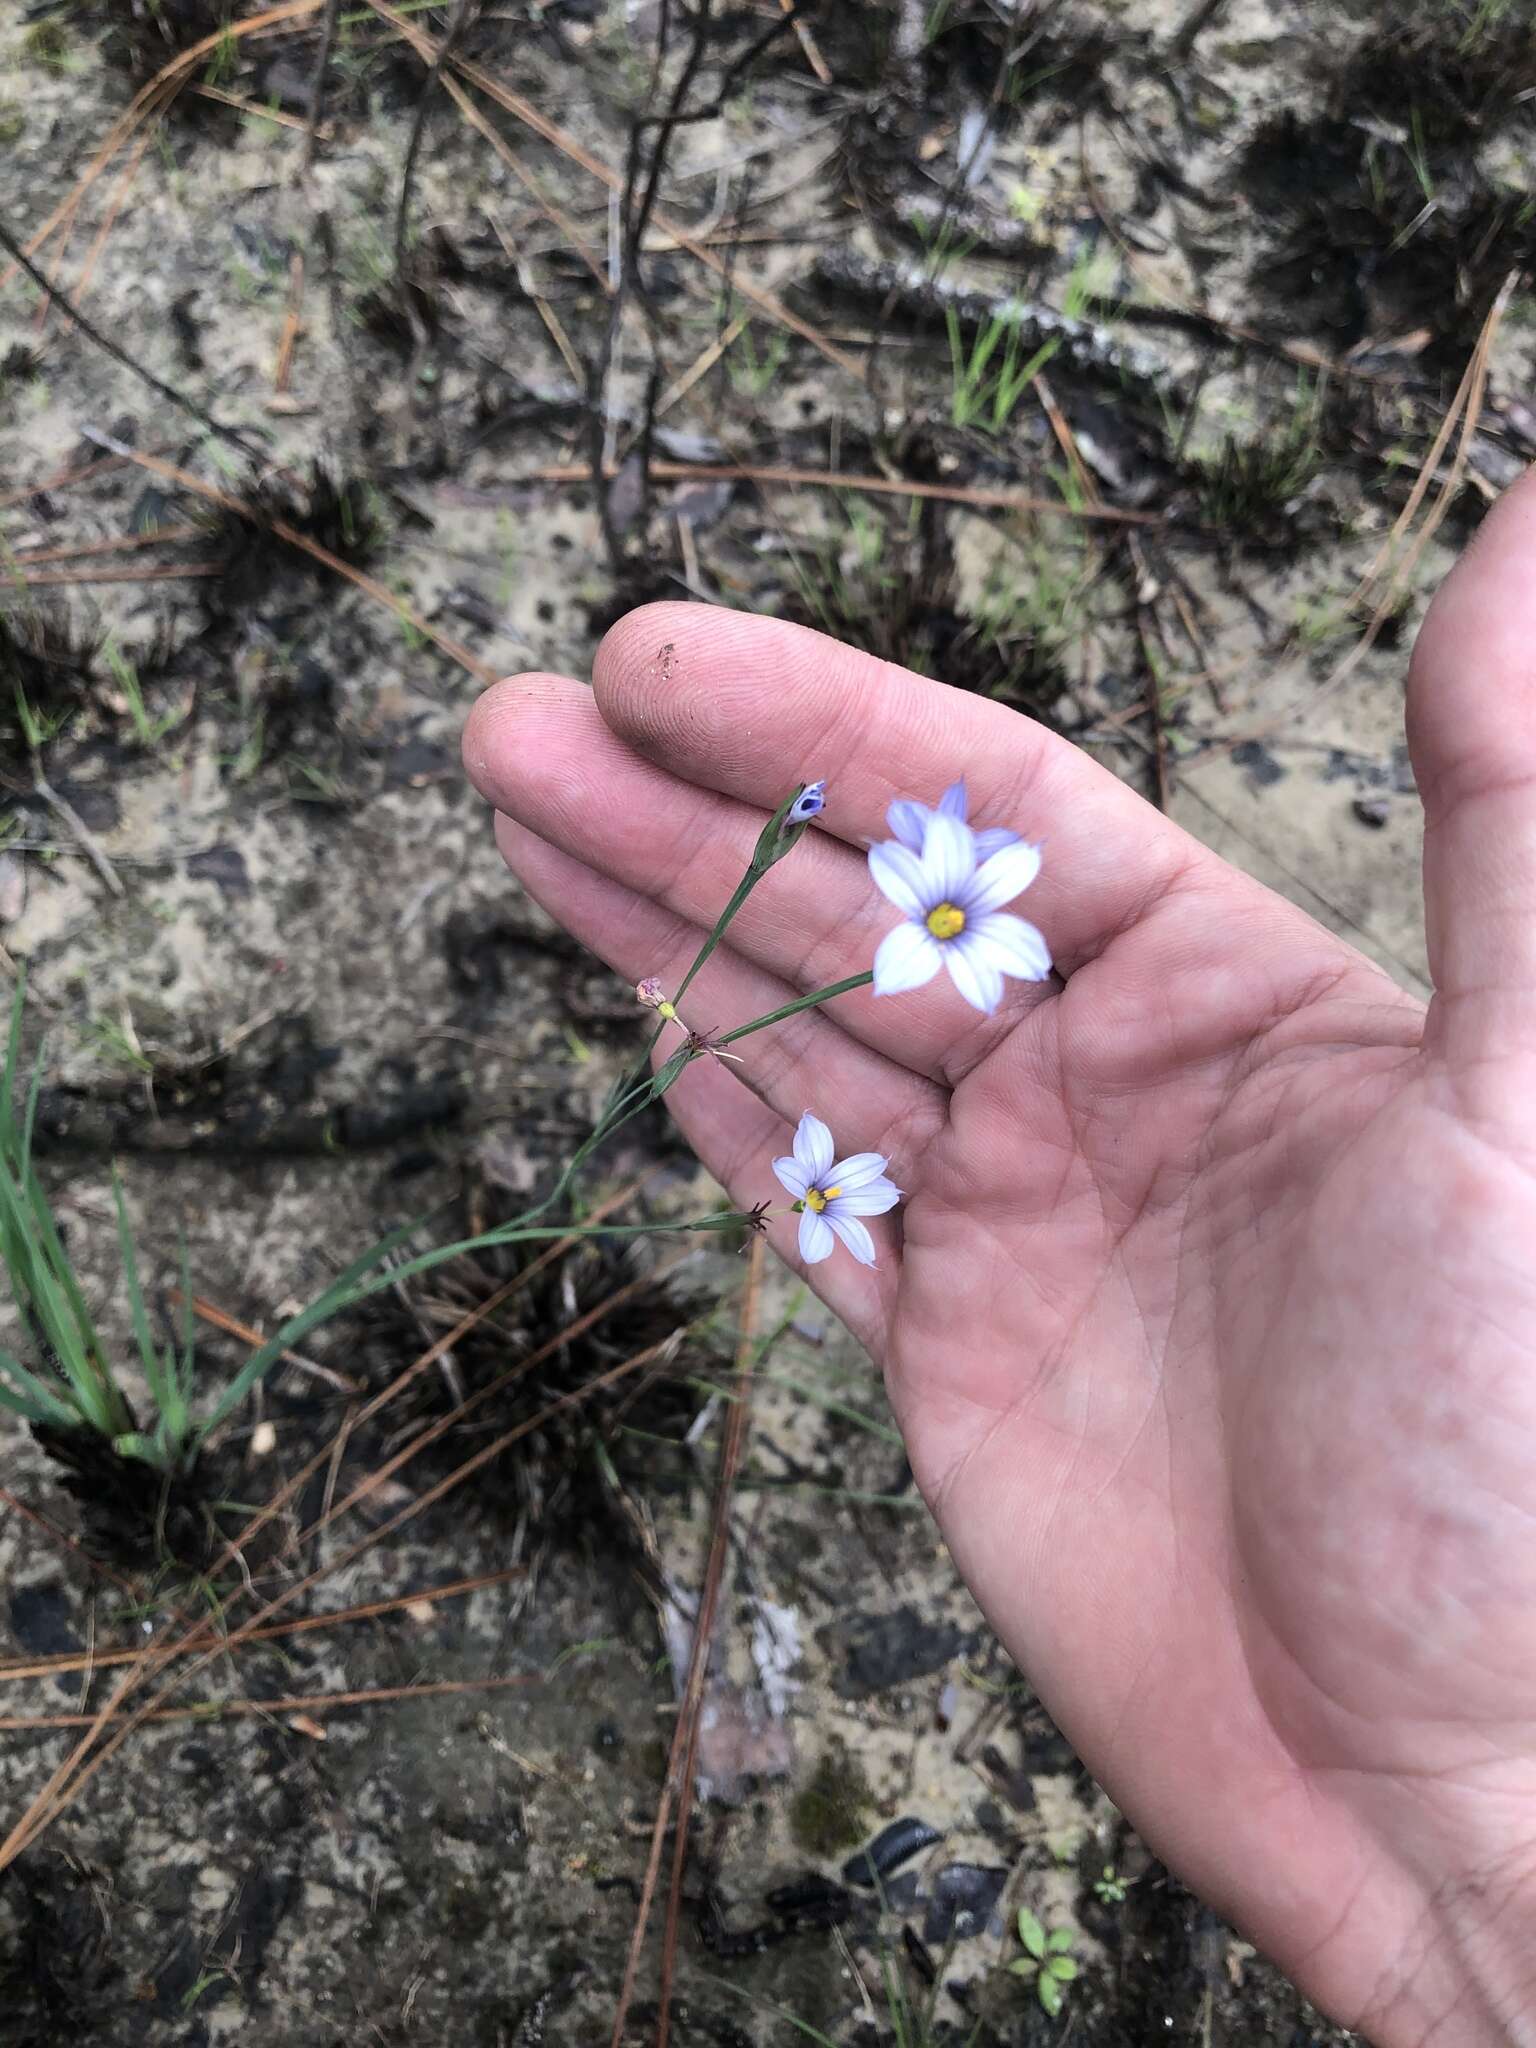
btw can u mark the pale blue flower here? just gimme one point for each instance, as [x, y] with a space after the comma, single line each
[811, 800]
[835, 1193]
[951, 900]
[907, 819]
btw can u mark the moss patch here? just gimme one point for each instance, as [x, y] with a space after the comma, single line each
[830, 1813]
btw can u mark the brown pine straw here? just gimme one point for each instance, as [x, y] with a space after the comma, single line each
[293, 324]
[210, 1312]
[61, 478]
[101, 1660]
[168, 572]
[78, 1767]
[68, 1780]
[114, 207]
[683, 1757]
[293, 1703]
[116, 544]
[142, 106]
[983, 497]
[444, 642]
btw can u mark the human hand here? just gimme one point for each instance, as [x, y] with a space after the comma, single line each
[1210, 1314]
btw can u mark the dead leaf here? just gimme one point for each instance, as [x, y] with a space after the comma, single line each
[306, 1724]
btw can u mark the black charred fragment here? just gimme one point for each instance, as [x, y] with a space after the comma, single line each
[895, 1844]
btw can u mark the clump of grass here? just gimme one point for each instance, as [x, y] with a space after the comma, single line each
[343, 514]
[68, 1385]
[46, 659]
[985, 387]
[1249, 489]
[143, 35]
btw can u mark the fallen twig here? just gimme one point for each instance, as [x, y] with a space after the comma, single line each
[75, 1660]
[85, 838]
[983, 497]
[119, 354]
[677, 1788]
[293, 1703]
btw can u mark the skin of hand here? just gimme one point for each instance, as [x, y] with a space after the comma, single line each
[1210, 1315]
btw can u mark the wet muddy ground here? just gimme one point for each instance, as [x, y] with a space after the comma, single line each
[286, 985]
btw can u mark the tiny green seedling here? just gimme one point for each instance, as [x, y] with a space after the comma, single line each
[1109, 1888]
[1047, 1959]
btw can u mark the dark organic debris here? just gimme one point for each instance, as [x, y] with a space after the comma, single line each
[1378, 233]
[809, 1904]
[884, 1650]
[130, 1513]
[961, 1901]
[895, 1844]
[343, 514]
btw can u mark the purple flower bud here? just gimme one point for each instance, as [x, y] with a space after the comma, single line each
[812, 798]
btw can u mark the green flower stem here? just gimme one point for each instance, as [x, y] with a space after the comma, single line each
[822, 995]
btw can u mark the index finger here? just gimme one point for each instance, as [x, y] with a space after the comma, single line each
[747, 706]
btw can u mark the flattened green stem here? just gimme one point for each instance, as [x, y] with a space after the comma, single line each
[822, 995]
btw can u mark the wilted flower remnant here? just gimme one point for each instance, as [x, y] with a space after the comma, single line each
[654, 997]
[833, 1194]
[950, 883]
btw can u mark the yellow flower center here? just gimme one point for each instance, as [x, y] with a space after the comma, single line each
[818, 1198]
[945, 921]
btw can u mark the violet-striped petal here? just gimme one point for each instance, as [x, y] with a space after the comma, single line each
[853, 1234]
[816, 1240]
[813, 1148]
[899, 876]
[974, 973]
[856, 1171]
[949, 860]
[873, 1200]
[906, 958]
[1012, 944]
[792, 1175]
[905, 821]
[1008, 873]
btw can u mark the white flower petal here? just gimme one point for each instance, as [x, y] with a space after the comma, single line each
[898, 875]
[952, 802]
[813, 1148]
[872, 1200]
[974, 973]
[857, 1170]
[1012, 945]
[1008, 873]
[816, 1240]
[793, 1176]
[949, 860]
[854, 1235]
[906, 820]
[992, 839]
[905, 958]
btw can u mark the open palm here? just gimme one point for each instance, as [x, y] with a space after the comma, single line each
[1210, 1315]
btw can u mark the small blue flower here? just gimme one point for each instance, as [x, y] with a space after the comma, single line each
[835, 1194]
[908, 819]
[812, 798]
[951, 900]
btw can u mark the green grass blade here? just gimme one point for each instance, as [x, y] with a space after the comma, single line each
[34, 1401]
[348, 1287]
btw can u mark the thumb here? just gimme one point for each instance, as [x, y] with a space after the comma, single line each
[1472, 734]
